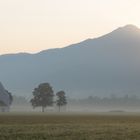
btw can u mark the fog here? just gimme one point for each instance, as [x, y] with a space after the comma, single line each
[110, 104]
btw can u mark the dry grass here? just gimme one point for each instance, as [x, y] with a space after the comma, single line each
[69, 127]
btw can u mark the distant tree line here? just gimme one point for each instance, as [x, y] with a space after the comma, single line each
[43, 96]
[112, 100]
[19, 101]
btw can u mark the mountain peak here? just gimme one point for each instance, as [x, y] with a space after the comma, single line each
[127, 31]
[130, 27]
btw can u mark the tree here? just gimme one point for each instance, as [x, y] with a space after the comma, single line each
[10, 97]
[43, 96]
[61, 99]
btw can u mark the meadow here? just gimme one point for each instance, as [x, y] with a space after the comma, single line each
[69, 126]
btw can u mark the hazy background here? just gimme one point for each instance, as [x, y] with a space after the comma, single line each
[34, 25]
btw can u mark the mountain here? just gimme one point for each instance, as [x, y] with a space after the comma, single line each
[101, 66]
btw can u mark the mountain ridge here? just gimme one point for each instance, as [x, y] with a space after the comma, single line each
[96, 66]
[128, 27]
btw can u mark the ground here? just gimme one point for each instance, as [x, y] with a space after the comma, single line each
[69, 126]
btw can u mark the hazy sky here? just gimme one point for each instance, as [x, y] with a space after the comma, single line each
[34, 25]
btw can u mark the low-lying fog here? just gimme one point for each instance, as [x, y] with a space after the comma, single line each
[90, 104]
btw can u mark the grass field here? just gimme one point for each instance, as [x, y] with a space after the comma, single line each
[69, 127]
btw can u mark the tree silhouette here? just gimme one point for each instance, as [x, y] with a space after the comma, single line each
[61, 99]
[43, 96]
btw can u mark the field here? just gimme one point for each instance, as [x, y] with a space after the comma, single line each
[69, 127]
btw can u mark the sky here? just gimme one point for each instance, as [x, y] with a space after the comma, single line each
[35, 25]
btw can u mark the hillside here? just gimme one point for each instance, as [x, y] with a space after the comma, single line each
[102, 66]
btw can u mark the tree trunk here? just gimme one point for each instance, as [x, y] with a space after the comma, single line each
[43, 108]
[59, 108]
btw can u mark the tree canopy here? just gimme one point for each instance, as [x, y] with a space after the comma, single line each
[42, 96]
[61, 99]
